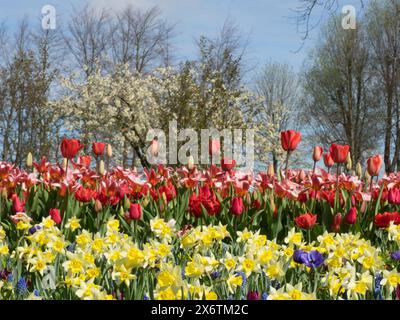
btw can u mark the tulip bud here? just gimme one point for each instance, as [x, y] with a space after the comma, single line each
[248, 198]
[317, 153]
[351, 216]
[237, 206]
[255, 195]
[4, 193]
[214, 147]
[271, 171]
[349, 163]
[154, 147]
[102, 170]
[367, 177]
[29, 160]
[337, 219]
[145, 202]
[64, 163]
[127, 217]
[164, 197]
[109, 150]
[374, 165]
[127, 203]
[190, 163]
[135, 211]
[272, 202]
[121, 211]
[302, 175]
[358, 170]
[98, 206]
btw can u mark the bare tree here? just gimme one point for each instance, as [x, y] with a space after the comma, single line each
[88, 37]
[141, 38]
[278, 85]
[383, 18]
[342, 105]
[305, 9]
[224, 54]
[27, 74]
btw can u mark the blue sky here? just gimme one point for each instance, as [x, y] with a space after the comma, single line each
[268, 24]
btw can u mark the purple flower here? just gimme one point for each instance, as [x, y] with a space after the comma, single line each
[264, 296]
[378, 287]
[4, 274]
[395, 255]
[21, 287]
[299, 256]
[253, 295]
[312, 259]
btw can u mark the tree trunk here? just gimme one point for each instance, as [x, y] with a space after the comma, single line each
[388, 134]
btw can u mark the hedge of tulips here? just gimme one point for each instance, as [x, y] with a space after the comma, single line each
[72, 232]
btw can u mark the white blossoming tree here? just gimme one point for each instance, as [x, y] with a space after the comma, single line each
[120, 108]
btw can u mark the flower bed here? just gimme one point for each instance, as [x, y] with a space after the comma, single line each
[196, 234]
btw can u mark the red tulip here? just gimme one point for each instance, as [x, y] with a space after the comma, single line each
[17, 205]
[317, 154]
[394, 196]
[42, 166]
[70, 147]
[135, 211]
[85, 195]
[237, 206]
[205, 199]
[290, 139]
[328, 161]
[214, 147]
[337, 220]
[227, 164]
[339, 152]
[85, 161]
[55, 215]
[374, 165]
[98, 148]
[351, 216]
[195, 205]
[169, 191]
[382, 220]
[253, 295]
[306, 221]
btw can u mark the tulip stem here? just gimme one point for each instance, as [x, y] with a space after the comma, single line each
[337, 192]
[337, 175]
[287, 163]
[313, 170]
[66, 168]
